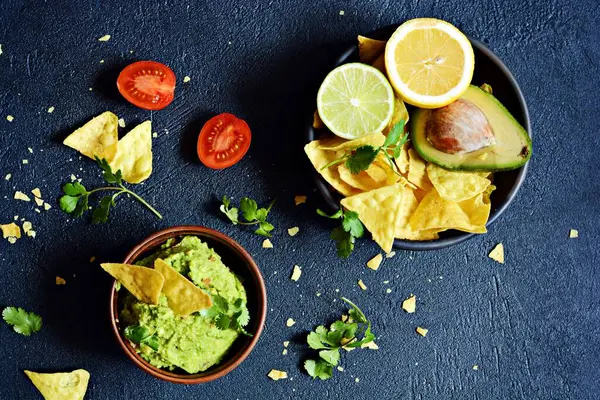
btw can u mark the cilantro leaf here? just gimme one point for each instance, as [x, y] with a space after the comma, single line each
[261, 214]
[100, 213]
[152, 342]
[331, 356]
[264, 228]
[336, 215]
[361, 158]
[344, 241]
[318, 340]
[319, 369]
[220, 303]
[225, 201]
[251, 213]
[222, 321]
[352, 224]
[141, 335]
[68, 203]
[74, 189]
[109, 176]
[243, 317]
[248, 208]
[394, 134]
[23, 322]
[82, 206]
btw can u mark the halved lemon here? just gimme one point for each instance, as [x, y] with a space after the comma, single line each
[354, 100]
[429, 62]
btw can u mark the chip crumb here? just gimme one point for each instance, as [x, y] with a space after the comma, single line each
[0, 49]
[25, 161]
[300, 199]
[90, 89]
[104, 38]
[121, 122]
[293, 231]
[10, 230]
[73, 178]
[290, 322]
[286, 343]
[47, 206]
[318, 294]
[475, 367]
[410, 305]
[10, 118]
[284, 352]
[422, 331]
[344, 318]
[370, 346]
[101, 61]
[375, 262]
[29, 149]
[497, 254]
[390, 254]
[27, 226]
[37, 210]
[296, 273]
[16, 217]
[277, 375]
[32, 234]
[21, 196]
[357, 379]
[37, 193]
[12, 240]
[7, 177]
[341, 369]
[362, 284]
[39, 202]
[186, 79]
[573, 233]
[60, 281]
[388, 290]
[386, 282]
[342, 12]
[267, 244]
[50, 110]
[154, 134]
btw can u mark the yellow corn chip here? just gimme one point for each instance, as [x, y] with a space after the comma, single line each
[145, 284]
[369, 49]
[98, 137]
[497, 253]
[184, 297]
[379, 63]
[378, 210]
[402, 161]
[336, 143]
[477, 208]
[375, 262]
[361, 181]
[456, 186]
[319, 159]
[134, 154]
[62, 385]
[11, 230]
[400, 113]
[406, 208]
[410, 305]
[381, 171]
[417, 171]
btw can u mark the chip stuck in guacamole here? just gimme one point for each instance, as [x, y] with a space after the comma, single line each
[161, 334]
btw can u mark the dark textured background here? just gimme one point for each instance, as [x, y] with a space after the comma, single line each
[531, 325]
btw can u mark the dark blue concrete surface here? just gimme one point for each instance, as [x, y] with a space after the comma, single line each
[531, 325]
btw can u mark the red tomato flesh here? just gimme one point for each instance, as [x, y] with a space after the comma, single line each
[147, 84]
[223, 141]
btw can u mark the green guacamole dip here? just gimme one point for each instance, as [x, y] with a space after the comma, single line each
[192, 343]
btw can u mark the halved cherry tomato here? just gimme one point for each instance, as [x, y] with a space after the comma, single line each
[147, 84]
[223, 141]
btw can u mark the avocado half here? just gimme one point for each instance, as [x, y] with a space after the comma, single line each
[512, 148]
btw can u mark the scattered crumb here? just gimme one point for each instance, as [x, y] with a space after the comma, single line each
[296, 273]
[47, 206]
[422, 331]
[104, 38]
[573, 233]
[27, 226]
[186, 79]
[90, 89]
[32, 234]
[497, 254]
[375, 262]
[16, 217]
[293, 231]
[25, 161]
[284, 352]
[341, 369]
[12, 240]
[37, 210]
[0, 49]
[386, 282]
[475, 367]
[10, 118]
[357, 379]
[409, 305]
[101, 61]
[60, 281]
[121, 122]
[277, 375]
[342, 12]
[50, 110]
[21, 196]
[29, 149]
[299, 200]
[344, 318]
[318, 294]
[73, 178]
[10, 230]
[267, 244]
[290, 322]
[37, 193]
[92, 259]
[370, 345]
[390, 254]
[7, 177]
[286, 343]
[154, 134]
[362, 285]
[388, 290]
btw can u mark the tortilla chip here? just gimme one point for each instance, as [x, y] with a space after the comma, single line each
[379, 63]
[437, 213]
[62, 385]
[184, 297]
[145, 284]
[456, 186]
[317, 121]
[417, 171]
[134, 154]
[336, 143]
[11, 230]
[407, 207]
[381, 171]
[402, 161]
[378, 210]
[477, 208]
[361, 181]
[98, 137]
[319, 159]
[375, 262]
[497, 253]
[369, 49]
[400, 113]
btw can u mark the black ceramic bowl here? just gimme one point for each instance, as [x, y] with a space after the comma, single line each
[488, 69]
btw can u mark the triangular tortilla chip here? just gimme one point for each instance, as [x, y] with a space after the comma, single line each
[417, 171]
[497, 253]
[402, 161]
[369, 49]
[456, 186]
[400, 113]
[134, 154]
[361, 181]
[184, 297]
[98, 137]
[379, 63]
[145, 284]
[62, 385]
[319, 159]
[379, 210]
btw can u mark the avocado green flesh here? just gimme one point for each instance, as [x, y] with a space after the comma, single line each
[511, 151]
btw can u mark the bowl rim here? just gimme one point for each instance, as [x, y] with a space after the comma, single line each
[324, 188]
[157, 239]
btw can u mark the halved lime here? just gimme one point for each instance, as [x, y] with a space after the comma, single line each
[354, 100]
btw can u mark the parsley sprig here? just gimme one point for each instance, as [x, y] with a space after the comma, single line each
[220, 313]
[75, 200]
[360, 159]
[340, 334]
[141, 335]
[251, 213]
[345, 234]
[23, 322]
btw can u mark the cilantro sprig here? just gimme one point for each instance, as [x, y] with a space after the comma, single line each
[360, 159]
[228, 316]
[23, 322]
[75, 200]
[141, 335]
[346, 234]
[251, 213]
[352, 333]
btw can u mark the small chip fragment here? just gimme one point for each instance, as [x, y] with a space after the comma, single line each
[342, 12]
[37, 193]
[47, 206]
[497, 254]
[7, 177]
[10, 230]
[299, 200]
[60, 281]
[341, 369]
[92, 259]
[121, 122]
[422, 331]
[284, 352]
[290, 322]
[25, 161]
[390, 254]
[39, 202]
[475, 367]
[293, 231]
[29, 149]
[21, 196]
[370, 345]
[50, 110]
[357, 379]
[573, 233]
[12, 240]
[375, 262]
[10, 118]
[27, 226]
[104, 38]
[267, 244]
[32, 234]
[154, 134]
[410, 305]
[286, 343]
[388, 290]
[277, 375]
[186, 79]
[362, 285]
[296, 273]
[101, 61]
